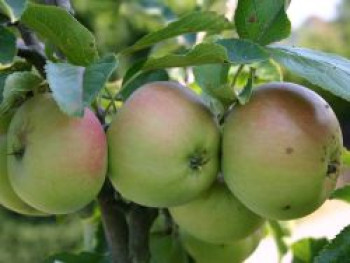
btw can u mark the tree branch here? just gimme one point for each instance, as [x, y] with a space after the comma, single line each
[140, 222]
[114, 224]
[33, 58]
[32, 51]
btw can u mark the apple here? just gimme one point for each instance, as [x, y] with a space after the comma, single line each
[57, 163]
[282, 151]
[8, 198]
[163, 146]
[232, 252]
[164, 243]
[166, 248]
[216, 216]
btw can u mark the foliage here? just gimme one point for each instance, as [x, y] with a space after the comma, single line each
[67, 50]
[31, 240]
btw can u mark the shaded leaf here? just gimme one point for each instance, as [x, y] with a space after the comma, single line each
[75, 87]
[305, 250]
[7, 46]
[267, 71]
[13, 8]
[133, 70]
[191, 23]
[63, 30]
[263, 21]
[213, 80]
[338, 250]
[96, 75]
[18, 65]
[141, 79]
[245, 94]
[242, 51]
[16, 87]
[328, 71]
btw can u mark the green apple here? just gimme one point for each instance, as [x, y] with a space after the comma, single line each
[57, 163]
[8, 198]
[163, 146]
[164, 243]
[166, 248]
[232, 252]
[216, 216]
[282, 151]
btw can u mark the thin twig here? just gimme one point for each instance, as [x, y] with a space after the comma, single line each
[33, 50]
[34, 58]
[235, 78]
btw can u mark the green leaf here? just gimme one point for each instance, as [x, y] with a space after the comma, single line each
[62, 29]
[338, 250]
[204, 53]
[242, 51]
[328, 71]
[213, 80]
[75, 87]
[191, 23]
[245, 94]
[13, 8]
[16, 87]
[133, 70]
[263, 21]
[342, 194]
[7, 46]
[267, 71]
[84, 257]
[305, 250]
[96, 76]
[66, 82]
[141, 79]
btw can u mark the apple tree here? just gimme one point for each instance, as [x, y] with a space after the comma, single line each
[178, 139]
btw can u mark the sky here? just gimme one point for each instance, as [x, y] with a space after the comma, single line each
[301, 10]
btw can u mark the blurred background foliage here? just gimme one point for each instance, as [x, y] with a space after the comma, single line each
[116, 25]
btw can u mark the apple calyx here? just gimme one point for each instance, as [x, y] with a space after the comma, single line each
[198, 160]
[333, 168]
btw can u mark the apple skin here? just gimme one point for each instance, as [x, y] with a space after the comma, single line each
[163, 146]
[166, 248]
[216, 216]
[164, 243]
[282, 151]
[8, 198]
[58, 163]
[232, 252]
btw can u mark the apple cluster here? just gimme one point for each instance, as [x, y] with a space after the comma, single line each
[277, 157]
